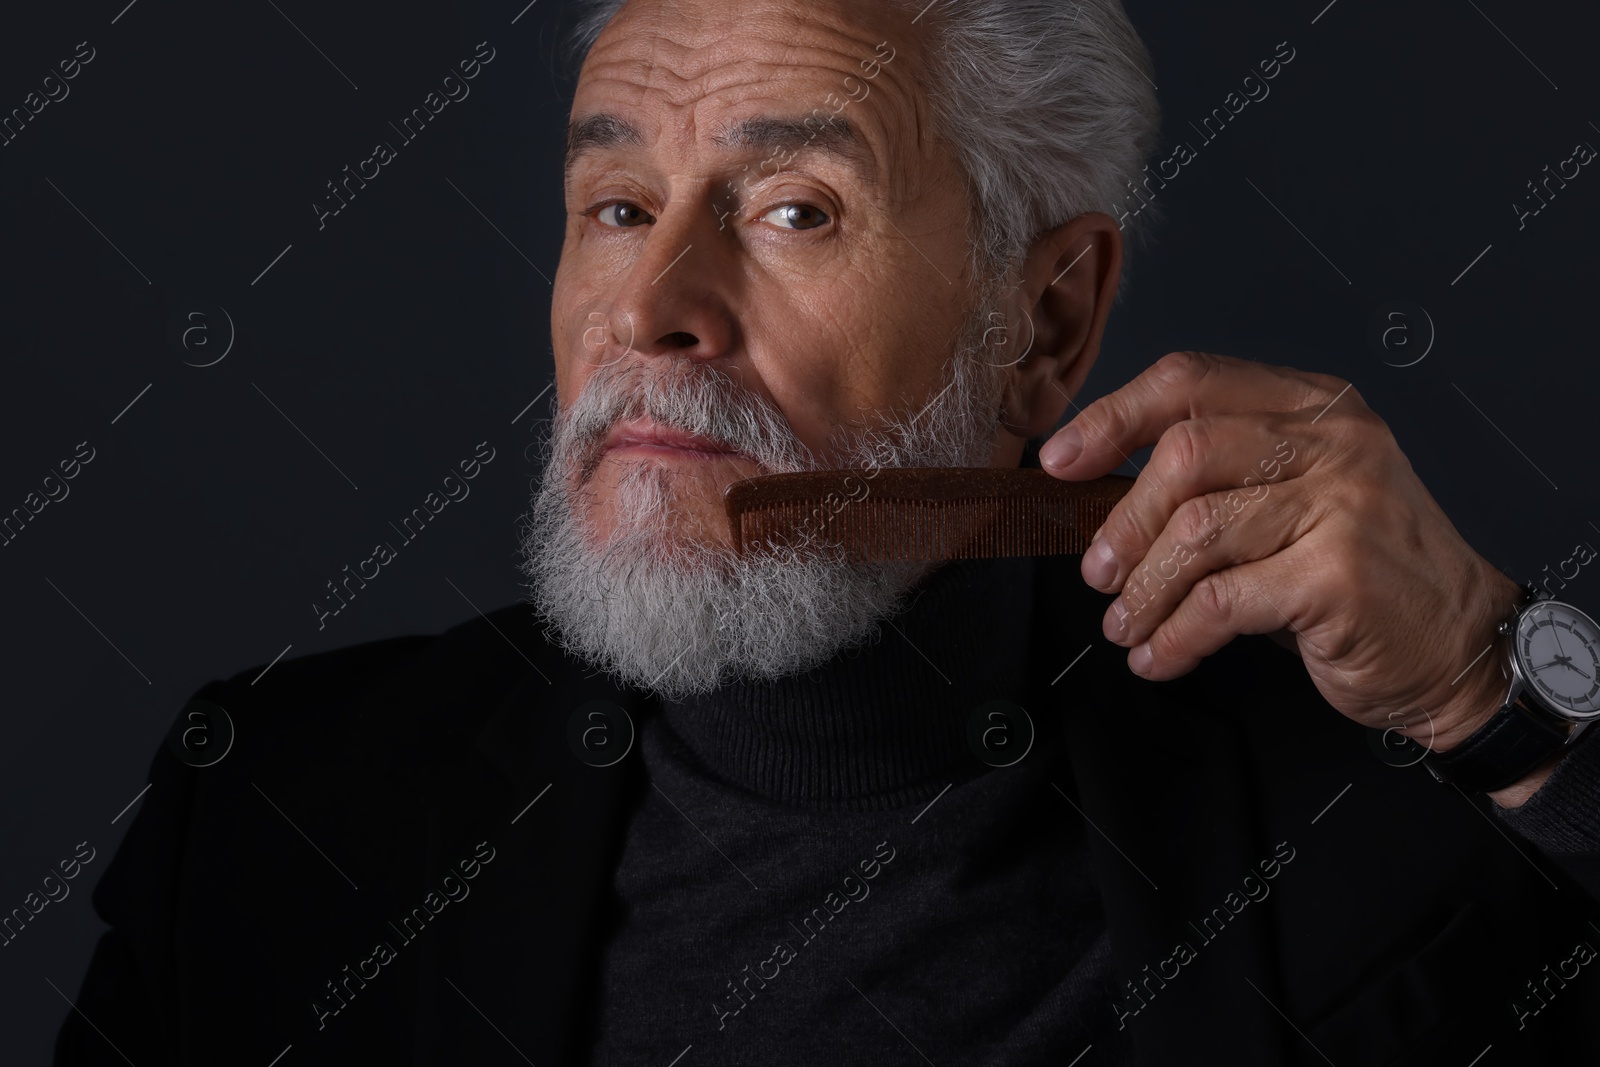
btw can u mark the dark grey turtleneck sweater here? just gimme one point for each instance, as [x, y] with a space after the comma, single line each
[821, 870]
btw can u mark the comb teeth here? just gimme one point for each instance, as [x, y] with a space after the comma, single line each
[919, 513]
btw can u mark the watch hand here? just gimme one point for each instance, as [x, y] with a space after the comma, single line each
[1555, 631]
[1576, 669]
[1542, 666]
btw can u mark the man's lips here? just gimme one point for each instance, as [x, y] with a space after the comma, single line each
[648, 436]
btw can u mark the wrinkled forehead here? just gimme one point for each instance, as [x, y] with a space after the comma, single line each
[677, 76]
[691, 38]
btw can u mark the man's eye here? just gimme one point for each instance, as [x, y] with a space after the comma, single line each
[796, 217]
[623, 214]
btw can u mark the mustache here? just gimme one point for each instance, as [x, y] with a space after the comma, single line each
[691, 397]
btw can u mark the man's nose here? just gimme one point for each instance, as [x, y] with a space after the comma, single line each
[673, 301]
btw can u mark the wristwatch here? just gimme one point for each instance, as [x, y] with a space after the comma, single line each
[1550, 650]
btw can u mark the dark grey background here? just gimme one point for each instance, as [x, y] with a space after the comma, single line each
[416, 324]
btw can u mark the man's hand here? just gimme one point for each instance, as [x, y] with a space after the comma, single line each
[1277, 500]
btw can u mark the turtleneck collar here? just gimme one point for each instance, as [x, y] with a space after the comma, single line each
[883, 724]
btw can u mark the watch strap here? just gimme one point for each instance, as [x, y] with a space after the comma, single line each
[1504, 750]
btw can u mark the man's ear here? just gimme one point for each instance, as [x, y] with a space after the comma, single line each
[1058, 310]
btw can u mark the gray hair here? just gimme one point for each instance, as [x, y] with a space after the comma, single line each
[1049, 104]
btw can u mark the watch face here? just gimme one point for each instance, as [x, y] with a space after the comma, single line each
[1558, 651]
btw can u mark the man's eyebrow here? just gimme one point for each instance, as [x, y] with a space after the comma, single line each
[598, 131]
[831, 134]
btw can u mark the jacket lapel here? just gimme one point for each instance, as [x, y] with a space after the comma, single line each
[1162, 780]
[509, 968]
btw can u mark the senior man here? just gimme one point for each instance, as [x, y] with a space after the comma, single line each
[876, 236]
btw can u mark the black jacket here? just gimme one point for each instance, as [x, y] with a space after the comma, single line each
[394, 779]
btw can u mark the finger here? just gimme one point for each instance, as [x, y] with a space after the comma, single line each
[1207, 534]
[1192, 458]
[1253, 598]
[1180, 385]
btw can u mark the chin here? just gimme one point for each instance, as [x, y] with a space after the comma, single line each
[650, 514]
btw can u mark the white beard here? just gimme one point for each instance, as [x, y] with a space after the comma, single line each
[680, 617]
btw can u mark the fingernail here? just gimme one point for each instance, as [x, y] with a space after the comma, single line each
[1062, 449]
[1141, 658]
[1100, 565]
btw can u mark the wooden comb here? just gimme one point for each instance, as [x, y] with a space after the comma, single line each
[920, 513]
